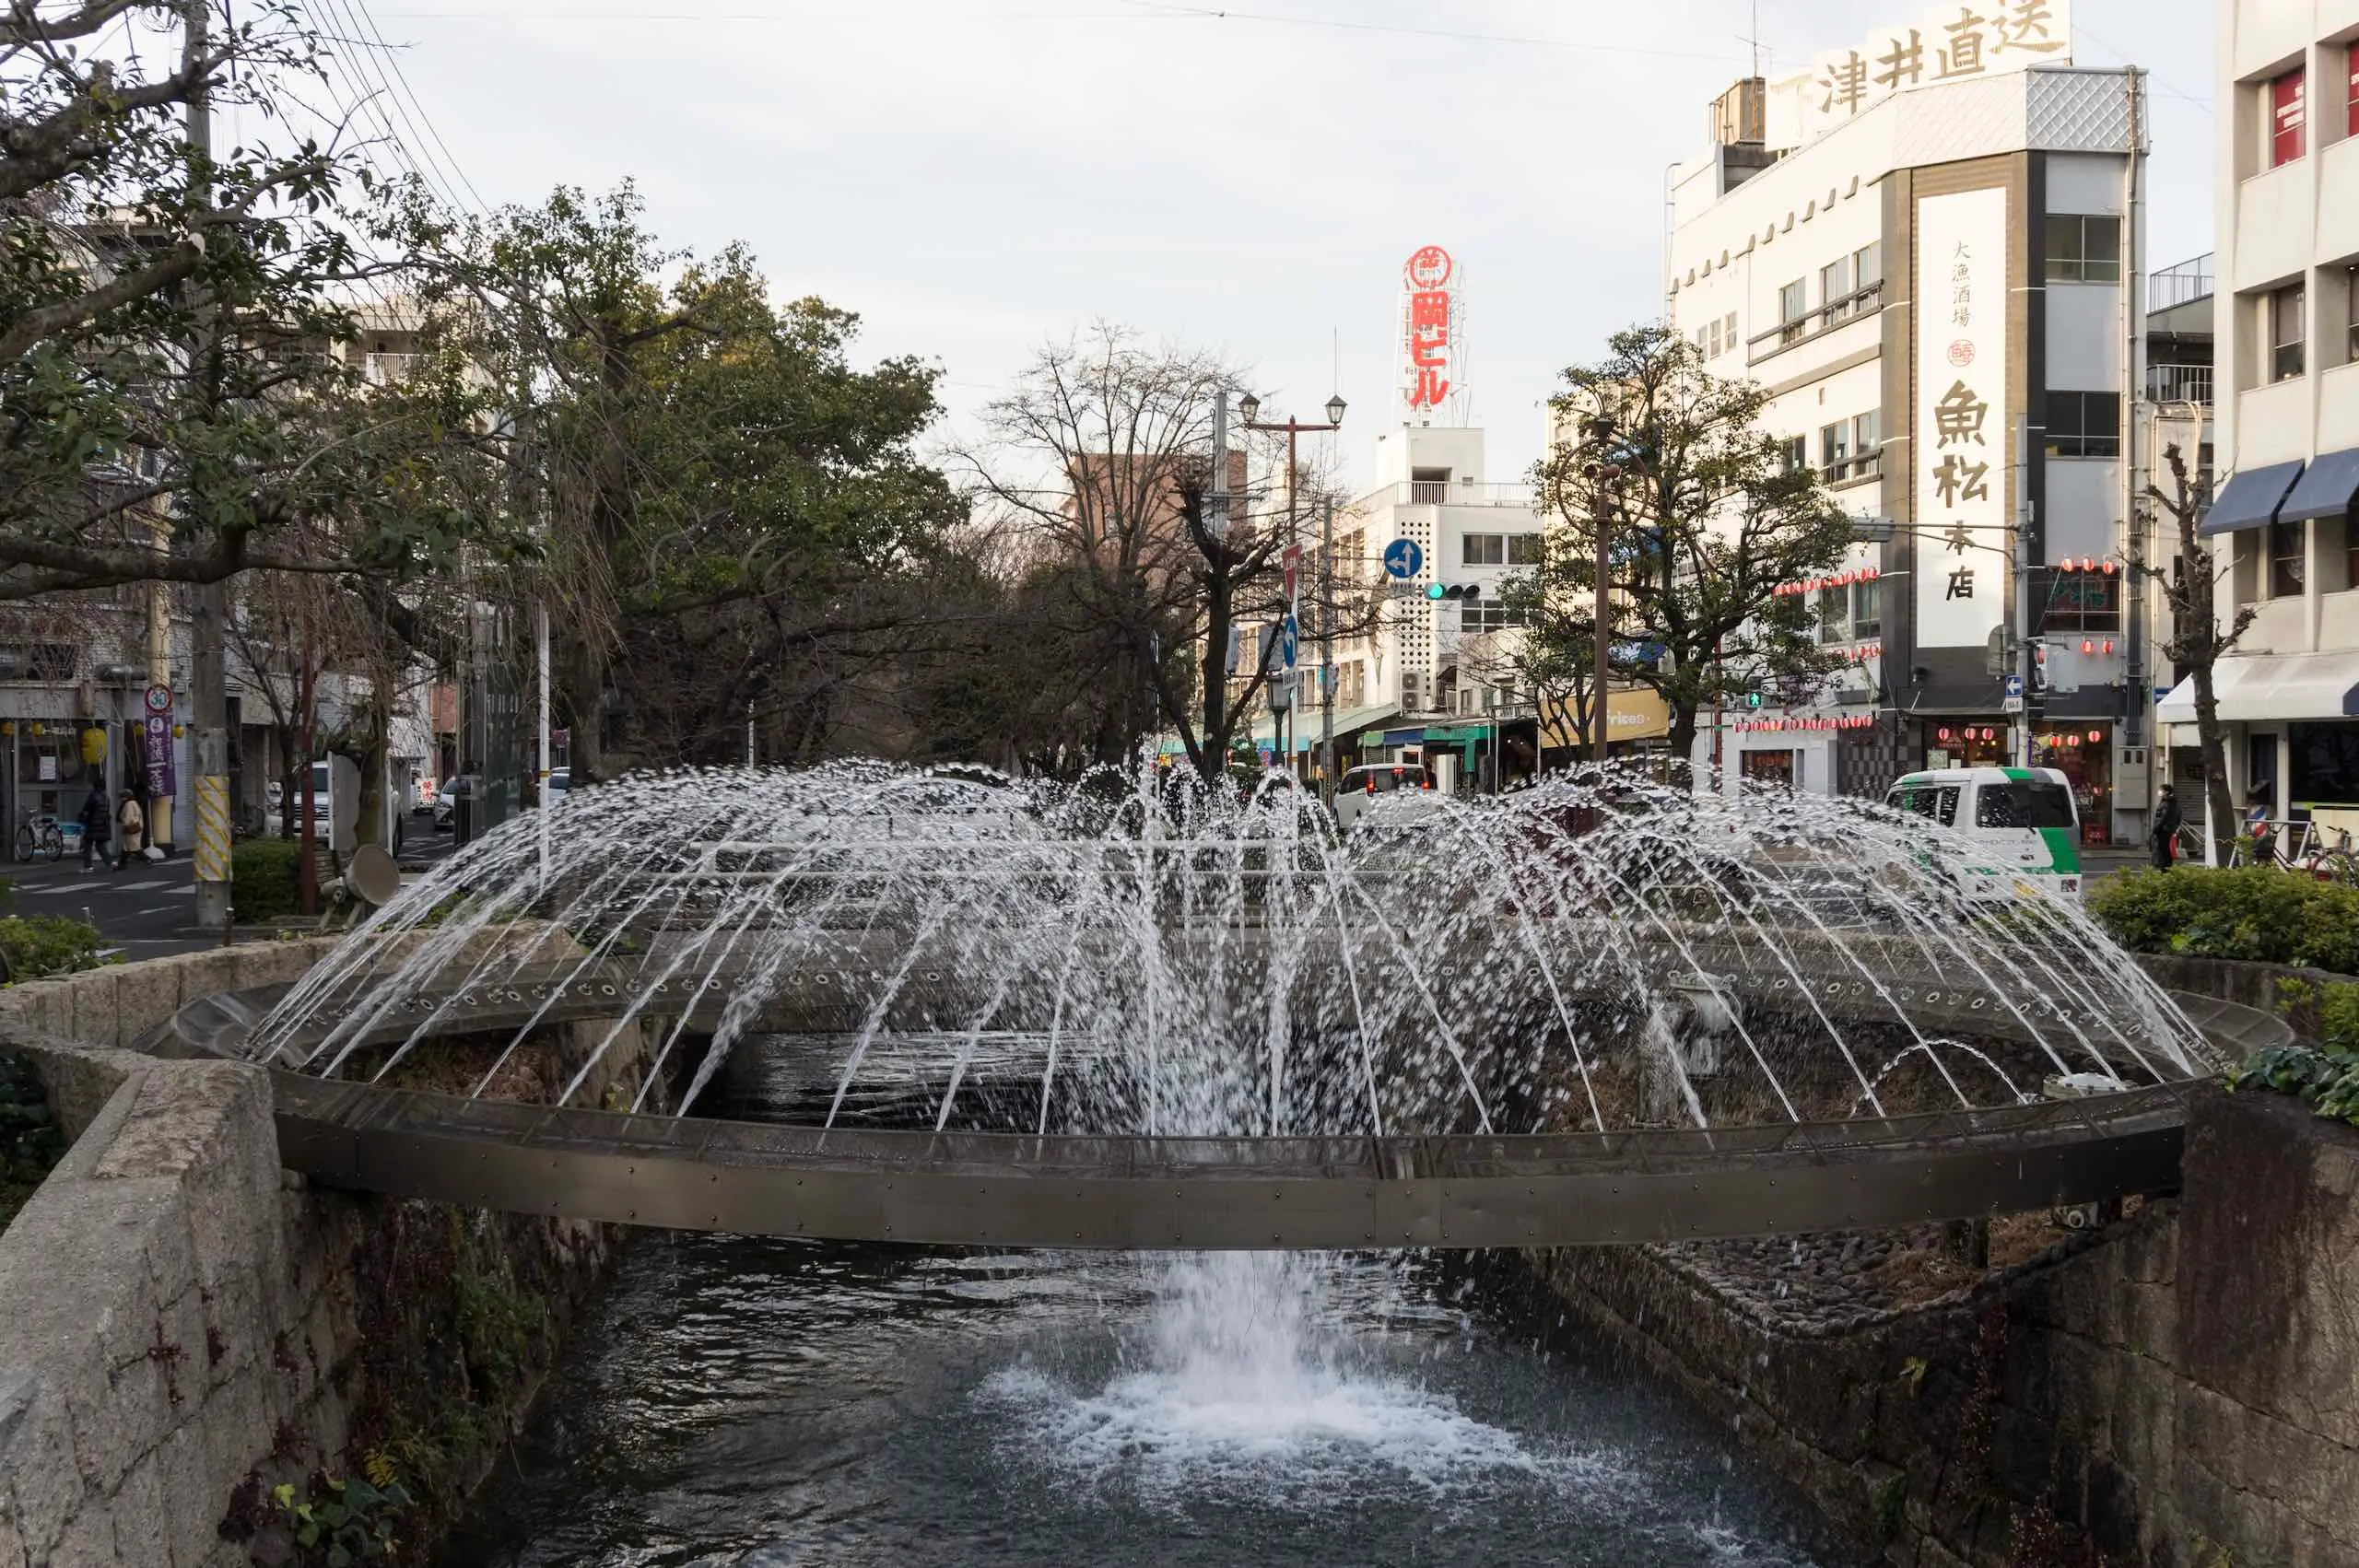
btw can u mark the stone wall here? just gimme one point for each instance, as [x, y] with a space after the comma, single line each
[182, 1324]
[2179, 1390]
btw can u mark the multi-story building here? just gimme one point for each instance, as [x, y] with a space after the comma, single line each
[1432, 680]
[2287, 410]
[1928, 249]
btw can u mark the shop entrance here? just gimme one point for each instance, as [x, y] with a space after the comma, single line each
[2082, 752]
[1768, 767]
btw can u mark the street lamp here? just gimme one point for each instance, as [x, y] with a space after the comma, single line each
[1599, 429]
[1250, 406]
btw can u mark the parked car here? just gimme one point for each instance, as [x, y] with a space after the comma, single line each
[322, 809]
[1361, 789]
[448, 795]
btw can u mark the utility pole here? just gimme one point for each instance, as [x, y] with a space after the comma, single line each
[2024, 664]
[209, 674]
[1326, 652]
[1602, 475]
[1282, 729]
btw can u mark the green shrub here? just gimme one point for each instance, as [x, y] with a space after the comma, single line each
[36, 945]
[2257, 913]
[263, 874]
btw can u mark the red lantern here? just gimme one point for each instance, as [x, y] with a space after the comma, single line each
[2095, 736]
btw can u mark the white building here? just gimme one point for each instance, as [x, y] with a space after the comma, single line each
[1430, 682]
[1962, 165]
[2287, 411]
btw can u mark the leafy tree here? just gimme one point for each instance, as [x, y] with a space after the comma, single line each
[2197, 641]
[734, 513]
[1704, 521]
[173, 405]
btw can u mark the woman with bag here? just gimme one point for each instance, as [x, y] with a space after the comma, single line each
[131, 822]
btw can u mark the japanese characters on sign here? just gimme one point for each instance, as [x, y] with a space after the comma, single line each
[156, 755]
[1957, 42]
[1960, 441]
[1429, 327]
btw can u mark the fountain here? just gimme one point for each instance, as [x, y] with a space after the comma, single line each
[1200, 1007]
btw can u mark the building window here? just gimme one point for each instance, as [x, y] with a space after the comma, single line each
[1483, 549]
[1488, 616]
[1835, 290]
[2083, 602]
[1728, 329]
[1793, 304]
[1833, 614]
[1867, 609]
[1835, 448]
[1351, 684]
[1709, 338]
[2351, 315]
[2083, 248]
[1867, 443]
[1866, 267]
[2285, 334]
[2083, 424]
[1524, 549]
[2287, 551]
[1795, 449]
[2351, 546]
[2351, 90]
[2286, 113]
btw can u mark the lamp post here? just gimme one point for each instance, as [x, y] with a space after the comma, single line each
[1250, 407]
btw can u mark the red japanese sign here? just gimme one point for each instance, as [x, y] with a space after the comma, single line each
[1431, 319]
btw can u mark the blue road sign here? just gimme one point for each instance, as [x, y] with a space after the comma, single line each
[1290, 641]
[2015, 685]
[1403, 557]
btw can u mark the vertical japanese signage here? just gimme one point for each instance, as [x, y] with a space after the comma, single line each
[1429, 328]
[1959, 42]
[1960, 445]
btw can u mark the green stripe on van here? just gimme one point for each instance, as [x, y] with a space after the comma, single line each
[2061, 851]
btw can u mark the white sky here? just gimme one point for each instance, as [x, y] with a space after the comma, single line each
[974, 177]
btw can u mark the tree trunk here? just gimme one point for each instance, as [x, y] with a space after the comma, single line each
[1683, 742]
[2219, 804]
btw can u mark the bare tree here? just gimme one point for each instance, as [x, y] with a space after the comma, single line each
[2198, 640]
[1100, 470]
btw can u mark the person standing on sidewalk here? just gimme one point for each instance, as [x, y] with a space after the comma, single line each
[2166, 824]
[97, 815]
[133, 822]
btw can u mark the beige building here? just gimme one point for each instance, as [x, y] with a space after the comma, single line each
[2287, 411]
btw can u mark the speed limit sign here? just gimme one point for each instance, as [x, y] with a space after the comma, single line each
[159, 699]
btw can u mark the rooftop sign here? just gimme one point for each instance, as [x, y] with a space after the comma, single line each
[1957, 42]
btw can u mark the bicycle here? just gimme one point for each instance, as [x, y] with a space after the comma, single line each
[2334, 864]
[39, 837]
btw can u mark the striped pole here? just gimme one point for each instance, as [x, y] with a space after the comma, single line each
[212, 829]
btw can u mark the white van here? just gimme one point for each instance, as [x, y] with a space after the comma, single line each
[2021, 819]
[1366, 788]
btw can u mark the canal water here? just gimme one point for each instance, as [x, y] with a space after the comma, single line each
[761, 1403]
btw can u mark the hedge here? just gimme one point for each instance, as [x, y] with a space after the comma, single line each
[2258, 913]
[263, 874]
[36, 945]
[30, 1140]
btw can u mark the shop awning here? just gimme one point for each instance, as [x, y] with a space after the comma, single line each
[2325, 489]
[2273, 686]
[1306, 724]
[1632, 713]
[2251, 500]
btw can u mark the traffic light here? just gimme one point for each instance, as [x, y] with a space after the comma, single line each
[1454, 590]
[1753, 699]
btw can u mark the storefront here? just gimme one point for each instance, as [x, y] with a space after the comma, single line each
[52, 767]
[2082, 750]
[1968, 742]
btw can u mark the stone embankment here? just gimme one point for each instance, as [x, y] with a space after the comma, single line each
[2179, 1390]
[183, 1327]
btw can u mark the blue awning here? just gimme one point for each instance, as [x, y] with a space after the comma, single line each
[2251, 500]
[2326, 488]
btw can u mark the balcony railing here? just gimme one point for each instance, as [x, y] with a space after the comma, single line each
[1865, 300]
[2179, 284]
[2178, 384]
[1452, 493]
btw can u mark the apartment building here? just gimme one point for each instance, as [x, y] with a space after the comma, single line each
[1928, 249]
[2287, 416]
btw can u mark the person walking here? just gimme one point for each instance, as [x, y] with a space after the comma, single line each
[97, 813]
[131, 823]
[2167, 824]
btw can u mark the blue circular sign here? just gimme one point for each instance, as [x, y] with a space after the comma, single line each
[1403, 557]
